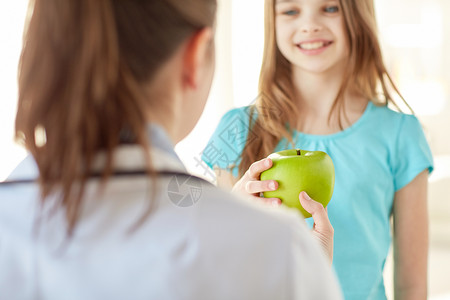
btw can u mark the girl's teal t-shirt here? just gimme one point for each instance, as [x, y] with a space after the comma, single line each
[378, 155]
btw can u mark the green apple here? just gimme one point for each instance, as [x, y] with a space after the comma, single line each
[298, 170]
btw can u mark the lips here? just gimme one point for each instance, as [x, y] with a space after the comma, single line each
[314, 45]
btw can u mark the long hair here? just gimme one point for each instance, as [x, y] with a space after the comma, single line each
[274, 110]
[82, 72]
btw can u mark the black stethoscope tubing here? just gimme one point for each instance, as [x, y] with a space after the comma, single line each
[121, 174]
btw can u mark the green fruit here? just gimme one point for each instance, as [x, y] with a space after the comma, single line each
[300, 170]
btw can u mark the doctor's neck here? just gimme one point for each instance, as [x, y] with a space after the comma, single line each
[164, 94]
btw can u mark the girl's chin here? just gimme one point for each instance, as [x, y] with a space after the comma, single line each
[313, 70]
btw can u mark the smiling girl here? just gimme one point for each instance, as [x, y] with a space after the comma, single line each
[323, 86]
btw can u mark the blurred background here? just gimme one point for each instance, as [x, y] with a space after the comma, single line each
[415, 36]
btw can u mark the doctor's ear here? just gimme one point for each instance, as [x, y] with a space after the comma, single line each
[198, 56]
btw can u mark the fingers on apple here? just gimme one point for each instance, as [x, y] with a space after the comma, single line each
[272, 201]
[253, 187]
[258, 167]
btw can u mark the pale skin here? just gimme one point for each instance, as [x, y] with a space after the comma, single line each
[182, 84]
[299, 21]
[411, 239]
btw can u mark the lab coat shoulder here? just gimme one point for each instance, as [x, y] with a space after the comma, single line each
[279, 249]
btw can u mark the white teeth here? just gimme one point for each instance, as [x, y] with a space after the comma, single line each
[312, 46]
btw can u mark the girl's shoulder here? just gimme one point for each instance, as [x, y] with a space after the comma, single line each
[381, 109]
[228, 139]
[385, 116]
[238, 117]
[240, 112]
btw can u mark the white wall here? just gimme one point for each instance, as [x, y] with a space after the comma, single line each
[12, 14]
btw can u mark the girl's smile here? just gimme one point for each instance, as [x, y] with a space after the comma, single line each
[314, 47]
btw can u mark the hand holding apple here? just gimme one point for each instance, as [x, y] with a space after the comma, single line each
[322, 230]
[298, 170]
[250, 184]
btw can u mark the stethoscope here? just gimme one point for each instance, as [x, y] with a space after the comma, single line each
[194, 183]
[117, 174]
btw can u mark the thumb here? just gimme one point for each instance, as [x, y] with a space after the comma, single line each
[317, 211]
[322, 226]
[311, 206]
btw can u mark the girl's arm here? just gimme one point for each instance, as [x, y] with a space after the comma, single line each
[225, 179]
[411, 239]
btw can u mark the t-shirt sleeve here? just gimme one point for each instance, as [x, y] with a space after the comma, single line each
[413, 154]
[228, 140]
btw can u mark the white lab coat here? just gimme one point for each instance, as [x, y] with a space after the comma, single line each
[220, 247]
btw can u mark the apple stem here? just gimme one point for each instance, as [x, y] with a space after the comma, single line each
[299, 152]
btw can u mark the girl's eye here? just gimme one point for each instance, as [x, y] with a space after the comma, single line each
[291, 12]
[331, 9]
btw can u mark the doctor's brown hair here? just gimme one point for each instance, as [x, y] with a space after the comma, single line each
[82, 70]
[365, 74]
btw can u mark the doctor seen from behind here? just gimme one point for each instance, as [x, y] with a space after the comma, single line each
[103, 208]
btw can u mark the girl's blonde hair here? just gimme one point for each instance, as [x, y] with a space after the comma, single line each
[82, 72]
[275, 110]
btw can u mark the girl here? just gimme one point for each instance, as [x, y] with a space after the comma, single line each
[104, 88]
[323, 86]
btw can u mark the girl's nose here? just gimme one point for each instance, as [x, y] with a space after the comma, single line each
[309, 24]
[310, 28]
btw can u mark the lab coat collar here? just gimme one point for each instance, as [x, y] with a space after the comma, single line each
[128, 157]
[133, 158]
